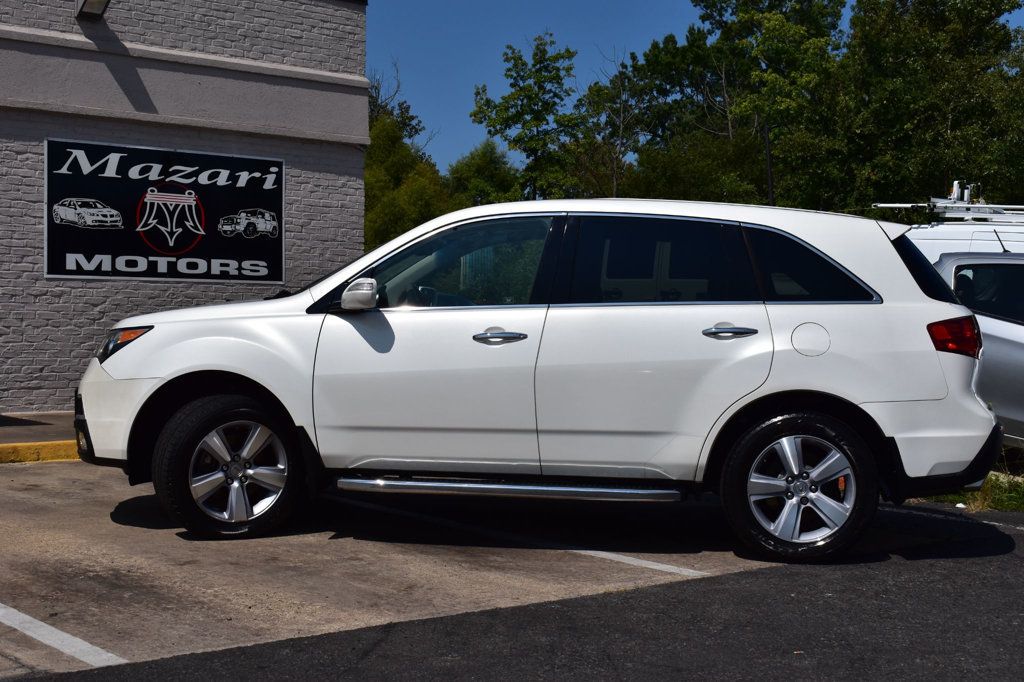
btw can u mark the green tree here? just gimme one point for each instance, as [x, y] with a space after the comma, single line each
[933, 93]
[403, 188]
[535, 117]
[384, 101]
[483, 176]
[609, 130]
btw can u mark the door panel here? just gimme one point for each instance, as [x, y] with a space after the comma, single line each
[628, 384]
[411, 389]
[440, 378]
[632, 391]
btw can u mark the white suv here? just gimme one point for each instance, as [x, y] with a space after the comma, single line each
[797, 363]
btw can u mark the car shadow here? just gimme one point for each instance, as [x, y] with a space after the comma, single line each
[7, 420]
[143, 511]
[693, 527]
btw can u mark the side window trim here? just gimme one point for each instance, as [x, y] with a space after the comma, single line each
[554, 237]
[567, 261]
[763, 284]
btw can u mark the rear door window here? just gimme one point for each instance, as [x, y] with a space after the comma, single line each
[992, 289]
[632, 259]
[792, 271]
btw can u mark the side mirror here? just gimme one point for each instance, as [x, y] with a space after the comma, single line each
[360, 295]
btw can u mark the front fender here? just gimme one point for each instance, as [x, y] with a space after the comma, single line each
[276, 352]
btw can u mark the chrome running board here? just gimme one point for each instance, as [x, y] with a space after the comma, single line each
[547, 491]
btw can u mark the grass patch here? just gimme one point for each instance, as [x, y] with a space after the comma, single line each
[1003, 489]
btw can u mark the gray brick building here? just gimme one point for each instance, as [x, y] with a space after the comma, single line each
[281, 80]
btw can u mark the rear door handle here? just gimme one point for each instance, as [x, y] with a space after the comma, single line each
[725, 333]
[490, 338]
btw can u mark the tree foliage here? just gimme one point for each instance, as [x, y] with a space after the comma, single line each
[761, 101]
[535, 117]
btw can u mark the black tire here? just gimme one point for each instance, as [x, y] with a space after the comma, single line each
[274, 232]
[249, 231]
[748, 450]
[173, 465]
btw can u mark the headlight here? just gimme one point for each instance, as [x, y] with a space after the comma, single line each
[118, 339]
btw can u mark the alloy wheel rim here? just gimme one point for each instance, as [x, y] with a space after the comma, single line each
[238, 471]
[801, 489]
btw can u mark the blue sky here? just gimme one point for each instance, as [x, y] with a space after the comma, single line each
[443, 49]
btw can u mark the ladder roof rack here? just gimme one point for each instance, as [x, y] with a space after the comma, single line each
[958, 208]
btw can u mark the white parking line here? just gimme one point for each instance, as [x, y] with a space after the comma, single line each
[59, 640]
[528, 541]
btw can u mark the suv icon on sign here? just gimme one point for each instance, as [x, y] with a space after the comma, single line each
[250, 222]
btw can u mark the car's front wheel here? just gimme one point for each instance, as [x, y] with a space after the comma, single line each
[225, 466]
[800, 486]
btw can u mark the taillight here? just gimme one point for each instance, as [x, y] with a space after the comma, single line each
[959, 335]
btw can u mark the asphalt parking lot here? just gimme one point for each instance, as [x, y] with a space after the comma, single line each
[379, 586]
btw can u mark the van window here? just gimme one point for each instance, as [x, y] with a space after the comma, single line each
[992, 289]
[648, 260]
[790, 271]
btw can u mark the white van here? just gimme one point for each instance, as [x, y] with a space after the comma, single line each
[959, 226]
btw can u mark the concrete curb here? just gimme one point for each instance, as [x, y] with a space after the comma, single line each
[38, 452]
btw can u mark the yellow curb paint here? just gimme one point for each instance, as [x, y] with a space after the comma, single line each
[38, 452]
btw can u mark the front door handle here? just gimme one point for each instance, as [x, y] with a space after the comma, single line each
[725, 333]
[497, 338]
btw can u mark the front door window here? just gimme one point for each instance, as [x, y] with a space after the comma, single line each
[491, 263]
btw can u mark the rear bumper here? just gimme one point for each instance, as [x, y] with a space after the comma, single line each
[969, 478]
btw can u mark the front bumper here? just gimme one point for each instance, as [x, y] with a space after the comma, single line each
[110, 405]
[969, 478]
[86, 452]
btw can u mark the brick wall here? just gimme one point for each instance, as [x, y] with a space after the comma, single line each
[318, 34]
[50, 328]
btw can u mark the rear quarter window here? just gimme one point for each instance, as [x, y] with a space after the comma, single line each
[791, 271]
[923, 272]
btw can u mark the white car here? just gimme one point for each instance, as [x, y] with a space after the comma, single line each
[798, 363]
[992, 286]
[86, 213]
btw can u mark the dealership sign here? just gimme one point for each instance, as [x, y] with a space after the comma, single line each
[114, 211]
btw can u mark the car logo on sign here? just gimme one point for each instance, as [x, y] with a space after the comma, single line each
[171, 214]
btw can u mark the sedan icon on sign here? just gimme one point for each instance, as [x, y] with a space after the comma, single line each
[86, 213]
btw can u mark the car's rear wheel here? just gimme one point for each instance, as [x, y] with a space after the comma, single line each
[225, 466]
[801, 486]
[56, 216]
